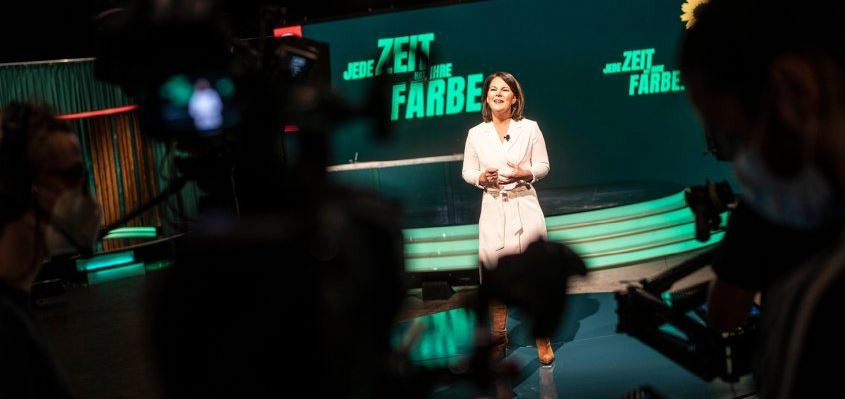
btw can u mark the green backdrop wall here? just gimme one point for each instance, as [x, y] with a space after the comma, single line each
[595, 131]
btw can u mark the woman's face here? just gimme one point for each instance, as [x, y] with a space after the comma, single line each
[60, 167]
[500, 97]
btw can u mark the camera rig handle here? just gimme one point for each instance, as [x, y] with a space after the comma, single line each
[672, 323]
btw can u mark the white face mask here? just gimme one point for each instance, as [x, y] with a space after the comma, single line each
[805, 200]
[73, 224]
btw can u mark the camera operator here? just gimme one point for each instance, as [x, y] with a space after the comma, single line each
[44, 211]
[768, 77]
[754, 253]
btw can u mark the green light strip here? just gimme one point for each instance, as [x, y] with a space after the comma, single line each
[660, 205]
[445, 233]
[441, 248]
[627, 235]
[617, 235]
[597, 247]
[470, 262]
[649, 238]
[116, 273]
[112, 236]
[132, 232]
[650, 253]
[158, 265]
[607, 230]
[134, 229]
[105, 261]
[665, 205]
[605, 237]
[443, 263]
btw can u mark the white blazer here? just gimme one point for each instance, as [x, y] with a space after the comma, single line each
[508, 221]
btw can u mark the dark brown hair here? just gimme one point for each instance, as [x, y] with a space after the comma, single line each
[517, 109]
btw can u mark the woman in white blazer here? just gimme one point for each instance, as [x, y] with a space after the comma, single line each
[504, 156]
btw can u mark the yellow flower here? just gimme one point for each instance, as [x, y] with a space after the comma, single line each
[689, 11]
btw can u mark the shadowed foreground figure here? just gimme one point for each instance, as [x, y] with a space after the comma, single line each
[45, 211]
[768, 80]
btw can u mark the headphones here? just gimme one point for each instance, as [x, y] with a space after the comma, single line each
[15, 171]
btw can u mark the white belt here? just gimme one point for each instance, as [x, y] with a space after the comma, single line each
[508, 209]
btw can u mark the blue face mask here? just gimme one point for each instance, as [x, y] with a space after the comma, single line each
[805, 200]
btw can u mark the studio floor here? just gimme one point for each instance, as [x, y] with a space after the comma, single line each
[98, 332]
[592, 360]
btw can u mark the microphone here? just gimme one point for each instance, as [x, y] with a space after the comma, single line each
[507, 137]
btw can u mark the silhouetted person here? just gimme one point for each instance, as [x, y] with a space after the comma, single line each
[43, 211]
[767, 79]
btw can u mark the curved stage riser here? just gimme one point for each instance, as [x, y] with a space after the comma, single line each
[605, 238]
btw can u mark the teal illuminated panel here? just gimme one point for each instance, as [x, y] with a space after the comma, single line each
[665, 204]
[116, 273]
[650, 253]
[134, 229]
[441, 263]
[669, 234]
[131, 232]
[446, 337]
[470, 262]
[620, 212]
[649, 238]
[158, 265]
[593, 231]
[440, 233]
[619, 235]
[645, 226]
[129, 235]
[606, 237]
[441, 248]
[105, 261]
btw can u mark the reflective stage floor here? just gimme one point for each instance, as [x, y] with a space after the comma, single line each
[98, 335]
[592, 360]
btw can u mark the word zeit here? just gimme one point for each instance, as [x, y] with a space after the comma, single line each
[433, 90]
[403, 51]
[648, 78]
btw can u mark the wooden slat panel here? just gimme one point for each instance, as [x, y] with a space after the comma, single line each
[138, 170]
